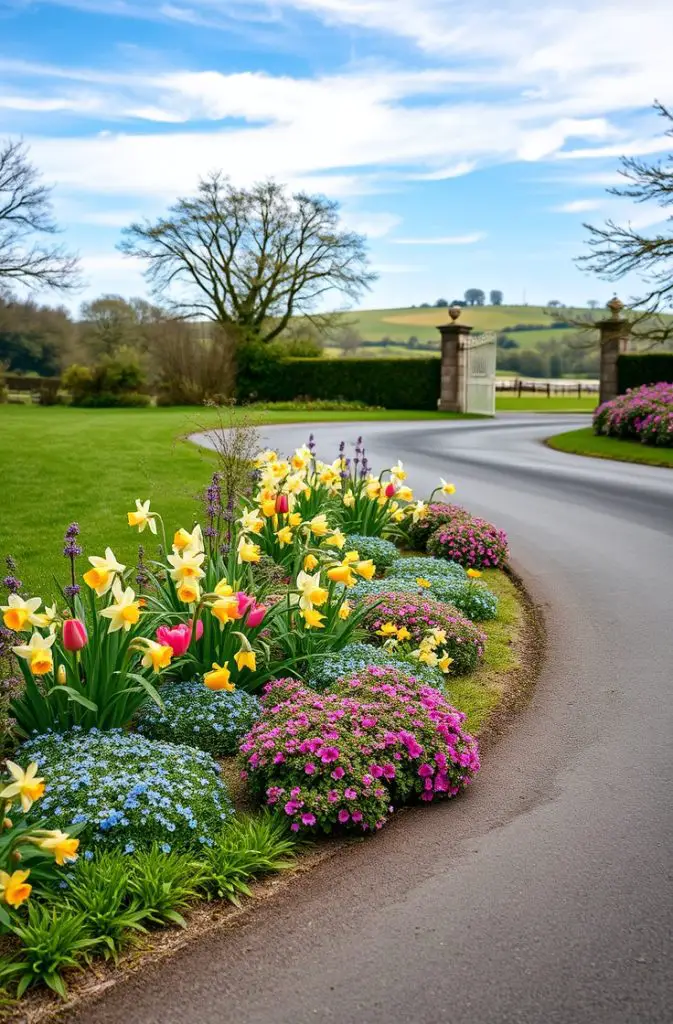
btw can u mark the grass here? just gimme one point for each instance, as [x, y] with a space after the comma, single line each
[540, 403]
[585, 442]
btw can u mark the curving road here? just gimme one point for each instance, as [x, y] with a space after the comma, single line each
[544, 895]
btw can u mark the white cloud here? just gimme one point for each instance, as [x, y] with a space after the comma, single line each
[374, 225]
[442, 240]
[578, 206]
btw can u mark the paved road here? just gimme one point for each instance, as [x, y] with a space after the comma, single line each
[544, 895]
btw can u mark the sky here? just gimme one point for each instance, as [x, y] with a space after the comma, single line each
[469, 141]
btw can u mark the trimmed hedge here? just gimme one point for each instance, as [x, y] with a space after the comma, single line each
[387, 383]
[636, 369]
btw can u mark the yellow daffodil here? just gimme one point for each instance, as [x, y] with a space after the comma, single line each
[345, 610]
[18, 613]
[218, 678]
[403, 634]
[61, 675]
[301, 458]
[294, 518]
[247, 551]
[284, 536]
[279, 469]
[186, 565]
[311, 591]
[310, 562]
[428, 658]
[226, 610]
[246, 659]
[319, 526]
[387, 629]
[251, 521]
[419, 511]
[422, 582]
[398, 516]
[268, 507]
[60, 844]
[336, 540]
[438, 635]
[342, 574]
[445, 662]
[405, 494]
[446, 487]
[183, 539]
[46, 618]
[142, 517]
[26, 785]
[349, 499]
[14, 890]
[350, 557]
[124, 612]
[365, 569]
[104, 572]
[155, 655]
[313, 618]
[264, 458]
[37, 652]
[474, 574]
[294, 484]
[223, 588]
[189, 592]
[373, 488]
[398, 471]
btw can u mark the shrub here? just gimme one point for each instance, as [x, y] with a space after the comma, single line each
[437, 513]
[418, 615]
[635, 369]
[113, 381]
[643, 414]
[357, 656]
[107, 400]
[427, 568]
[348, 759]
[192, 714]
[382, 552]
[473, 542]
[128, 792]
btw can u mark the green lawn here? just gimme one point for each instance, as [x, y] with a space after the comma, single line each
[585, 442]
[540, 403]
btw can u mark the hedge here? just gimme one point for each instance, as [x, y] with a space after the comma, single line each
[636, 369]
[389, 383]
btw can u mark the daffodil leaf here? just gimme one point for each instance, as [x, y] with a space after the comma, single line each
[74, 695]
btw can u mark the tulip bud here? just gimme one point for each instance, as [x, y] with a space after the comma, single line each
[74, 635]
[8, 823]
[390, 490]
[61, 675]
[282, 504]
[16, 856]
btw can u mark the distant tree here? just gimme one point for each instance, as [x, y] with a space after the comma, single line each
[110, 321]
[26, 221]
[253, 258]
[593, 303]
[555, 365]
[475, 297]
[35, 339]
[503, 341]
[413, 341]
[347, 339]
[496, 298]
[424, 305]
[386, 341]
[459, 302]
[554, 304]
[441, 302]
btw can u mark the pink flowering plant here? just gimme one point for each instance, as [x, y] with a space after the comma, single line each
[348, 759]
[436, 514]
[473, 543]
[642, 414]
[429, 631]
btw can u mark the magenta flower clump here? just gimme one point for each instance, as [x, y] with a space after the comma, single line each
[642, 414]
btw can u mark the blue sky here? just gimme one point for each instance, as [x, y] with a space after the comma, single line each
[469, 141]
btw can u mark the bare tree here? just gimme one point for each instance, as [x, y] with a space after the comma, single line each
[251, 258]
[25, 216]
[617, 250]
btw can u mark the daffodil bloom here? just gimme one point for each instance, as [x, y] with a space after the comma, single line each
[294, 518]
[268, 507]
[223, 588]
[294, 484]
[319, 526]
[419, 511]
[26, 785]
[387, 629]
[403, 634]
[279, 469]
[284, 536]
[47, 617]
[345, 610]
[438, 635]
[445, 662]
[37, 652]
[14, 889]
[246, 659]
[313, 618]
[398, 516]
[349, 499]
[328, 477]
[350, 557]
[185, 541]
[336, 540]
[428, 658]
[474, 574]
[142, 517]
[226, 610]
[251, 521]
[61, 675]
[155, 655]
[247, 551]
[311, 591]
[365, 569]
[398, 471]
[188, 592]
[342, 574]
[405, 494]
[186, 565]
[60, 844]
[422, 582]
[104, 572]
[218, 678]
[310, 562]
[124, 612]
[446, 487]
[373, 488]
[18, 614]
[264, 458]
[301, 458]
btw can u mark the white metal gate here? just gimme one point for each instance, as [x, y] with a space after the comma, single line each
[480, 354]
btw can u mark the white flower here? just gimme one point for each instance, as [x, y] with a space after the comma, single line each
[125, 611]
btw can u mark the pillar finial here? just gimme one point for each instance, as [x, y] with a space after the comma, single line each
[454, 312]
[615, 306]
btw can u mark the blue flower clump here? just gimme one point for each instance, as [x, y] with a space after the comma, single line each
[193, 714]
[426, 567]
[448, 582]
[357, 656]
[382, 552]
[127, 792]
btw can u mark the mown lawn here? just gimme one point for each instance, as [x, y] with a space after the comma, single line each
[585, 442]
[540, 403]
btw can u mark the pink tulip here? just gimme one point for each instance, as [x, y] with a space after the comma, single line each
[282, 504]
[390, 490]
[245, 601]
[179, 637]
[256, 615]
[74, 635]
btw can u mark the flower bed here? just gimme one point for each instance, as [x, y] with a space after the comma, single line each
[642, 414]
[346, 760]
[474, 543]
[199, 717]
[382, 552]
[357, 656]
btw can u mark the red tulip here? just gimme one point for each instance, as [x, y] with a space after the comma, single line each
[74, 635]
[390, 490]
[282, 504]
[179, 637]
[245, 601]
[256, 616]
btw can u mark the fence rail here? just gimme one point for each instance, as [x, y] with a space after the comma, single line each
[546, 387]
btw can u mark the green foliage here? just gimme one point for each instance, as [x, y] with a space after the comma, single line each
[114, 381]
[99, 889]
[250, 846]
[53, 939]
[163, 885]
[638, 368]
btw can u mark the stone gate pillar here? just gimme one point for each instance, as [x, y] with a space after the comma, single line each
[614, 335]
[452, 385]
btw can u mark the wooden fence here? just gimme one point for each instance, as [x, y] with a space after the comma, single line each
[548, 388]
